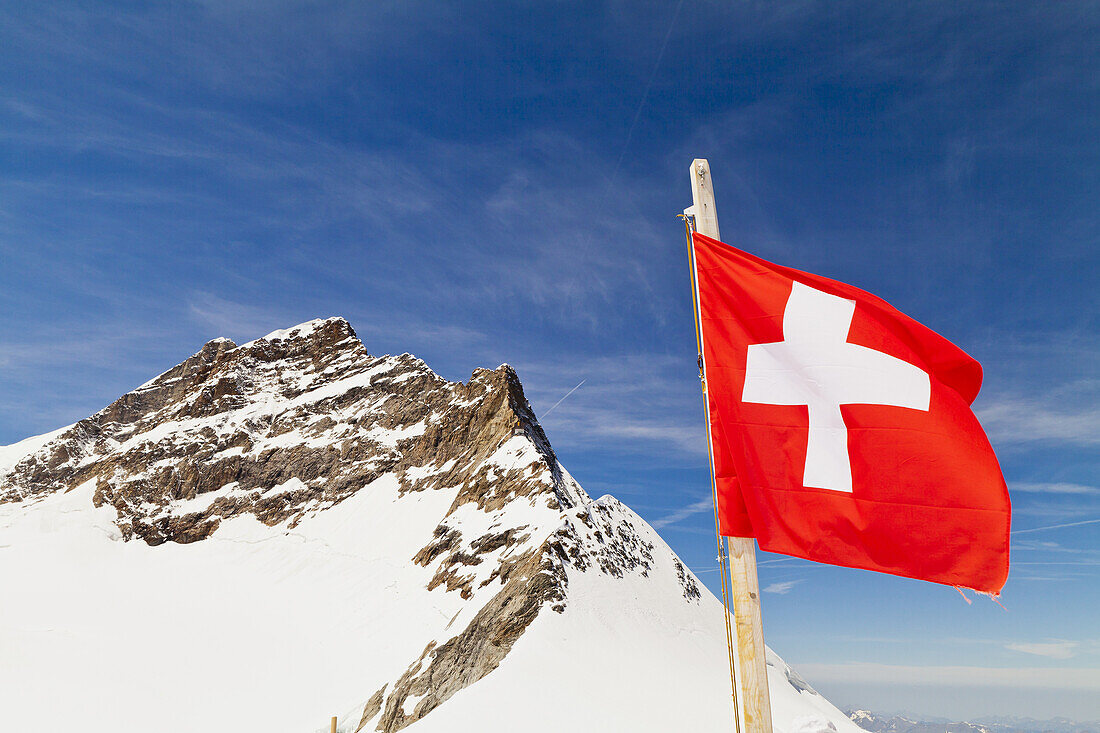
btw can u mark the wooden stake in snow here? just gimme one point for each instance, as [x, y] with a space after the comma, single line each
[332, 726]
[754, 705]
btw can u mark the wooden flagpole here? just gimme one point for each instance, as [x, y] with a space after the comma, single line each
[755, 706]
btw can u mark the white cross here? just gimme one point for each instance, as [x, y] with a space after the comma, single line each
[815, 366]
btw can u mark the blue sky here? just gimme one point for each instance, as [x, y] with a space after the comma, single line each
[479, 183]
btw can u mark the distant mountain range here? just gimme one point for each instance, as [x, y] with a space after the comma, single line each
[877, 723]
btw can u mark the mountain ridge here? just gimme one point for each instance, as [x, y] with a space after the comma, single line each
[908, 723]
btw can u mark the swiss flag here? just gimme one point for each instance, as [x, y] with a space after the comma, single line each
[841, 428]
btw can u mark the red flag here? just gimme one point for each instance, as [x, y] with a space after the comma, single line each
[841, 428]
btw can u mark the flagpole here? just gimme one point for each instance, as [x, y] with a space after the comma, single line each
[754, 710]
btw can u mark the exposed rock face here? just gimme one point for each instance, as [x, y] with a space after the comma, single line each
[287, 424]
[297, 422]
[441, 671]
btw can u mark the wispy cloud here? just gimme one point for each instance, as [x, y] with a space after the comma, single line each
[1050, 647]
[1023, 420]
[1056, 526]
[703, 505]
[1041, 546]
[83, 368]
[1048, 391]
[782, 587]
[630, 403]
[1049, 678]
[239, 321]
[1055, 488]
[1079, 563]
[631, 435]
[1066, 508]
[1056, 649]
[1048, 578]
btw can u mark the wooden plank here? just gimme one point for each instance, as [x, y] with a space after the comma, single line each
[332, 726]
[702, 196]
[755, 704]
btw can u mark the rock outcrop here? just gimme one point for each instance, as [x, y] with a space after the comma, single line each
[287, 424]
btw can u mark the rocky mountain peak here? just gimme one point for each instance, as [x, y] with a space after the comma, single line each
[288, 424]
[319, 338]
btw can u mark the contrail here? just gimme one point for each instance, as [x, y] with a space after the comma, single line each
[563, 398]
[1054, 526]
[645, 94]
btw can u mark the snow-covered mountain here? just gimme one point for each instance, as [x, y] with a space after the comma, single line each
[901, 724]
[877, 723]
[273, 533]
